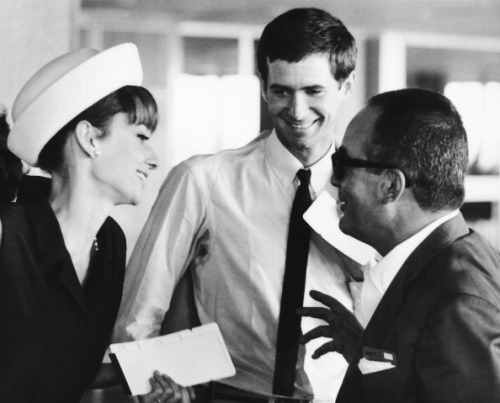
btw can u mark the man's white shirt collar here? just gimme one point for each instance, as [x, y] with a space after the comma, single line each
[379, 276]
[384, 272]
[285, 165]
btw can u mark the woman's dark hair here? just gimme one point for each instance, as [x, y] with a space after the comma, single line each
[136, 102]
[11, 167]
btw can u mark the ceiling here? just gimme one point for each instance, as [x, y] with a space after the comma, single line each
[467, 17]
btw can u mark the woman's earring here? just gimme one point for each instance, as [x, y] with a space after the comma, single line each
[97, 153]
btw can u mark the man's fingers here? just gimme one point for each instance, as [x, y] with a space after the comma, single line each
[177, 393]
[172, 392]
[341, 312]
[320, 331]
[163, 381]
[155, 393]
[314, 312]
[329, 301]
[339, 318]
[329, 347]
[320, 313]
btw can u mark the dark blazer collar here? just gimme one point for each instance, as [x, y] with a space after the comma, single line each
[48, 235]
[55, 260]
[391, 302]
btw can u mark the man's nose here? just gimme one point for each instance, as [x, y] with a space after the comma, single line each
[334, 181]
[299, 106]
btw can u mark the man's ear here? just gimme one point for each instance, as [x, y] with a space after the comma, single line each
[391, 185]
[263, 89]
[347, 86]
[86, 136]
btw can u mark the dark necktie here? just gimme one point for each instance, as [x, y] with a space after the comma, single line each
[297, 250]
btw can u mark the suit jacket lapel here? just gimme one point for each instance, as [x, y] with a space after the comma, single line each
[392, 300]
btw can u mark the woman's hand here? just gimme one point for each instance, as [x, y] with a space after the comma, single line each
[343, 327]
[165, 390]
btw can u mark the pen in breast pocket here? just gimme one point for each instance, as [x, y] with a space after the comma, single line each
[374, 354]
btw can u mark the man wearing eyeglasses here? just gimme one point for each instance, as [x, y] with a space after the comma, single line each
[430, 308]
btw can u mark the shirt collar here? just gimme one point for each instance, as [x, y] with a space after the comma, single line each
[384, 272]
[286, 165]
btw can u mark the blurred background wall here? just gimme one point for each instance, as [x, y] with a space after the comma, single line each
[198, 60]
[31, 33]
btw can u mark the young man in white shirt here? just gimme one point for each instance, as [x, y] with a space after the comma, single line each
[226, 216]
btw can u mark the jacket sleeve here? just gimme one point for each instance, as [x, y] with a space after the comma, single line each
[166, 246]
[458, 356]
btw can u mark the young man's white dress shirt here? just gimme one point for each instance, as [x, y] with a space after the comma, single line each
[230, 213]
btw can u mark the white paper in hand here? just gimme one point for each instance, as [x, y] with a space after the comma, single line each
[189, 357]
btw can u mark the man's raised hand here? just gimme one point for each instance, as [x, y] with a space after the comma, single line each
[343, 327]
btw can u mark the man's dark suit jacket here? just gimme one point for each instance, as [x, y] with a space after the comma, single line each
[441, 317]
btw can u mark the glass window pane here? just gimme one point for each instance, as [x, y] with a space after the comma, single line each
[205, 56]
[444, 65]
[83, 38]
[471, 79]
[207, 109]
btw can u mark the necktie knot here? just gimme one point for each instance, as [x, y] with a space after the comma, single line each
[304, 176]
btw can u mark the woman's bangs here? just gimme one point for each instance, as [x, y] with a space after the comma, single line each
[141, 108]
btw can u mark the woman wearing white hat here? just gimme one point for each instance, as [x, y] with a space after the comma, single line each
[84, 119]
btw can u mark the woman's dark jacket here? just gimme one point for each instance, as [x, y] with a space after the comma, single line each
[53, 331]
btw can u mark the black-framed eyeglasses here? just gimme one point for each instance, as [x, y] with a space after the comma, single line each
[341, 161]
